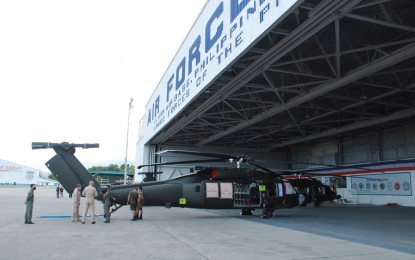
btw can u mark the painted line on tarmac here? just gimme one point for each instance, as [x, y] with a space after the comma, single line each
[67, 216]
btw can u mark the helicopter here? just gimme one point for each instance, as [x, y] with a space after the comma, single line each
[244, 188]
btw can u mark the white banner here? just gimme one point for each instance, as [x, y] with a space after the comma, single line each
[223, 31]
[396, 184]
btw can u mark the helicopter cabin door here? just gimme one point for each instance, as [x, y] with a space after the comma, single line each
[218, 195]
[193, 195]
[287, 196]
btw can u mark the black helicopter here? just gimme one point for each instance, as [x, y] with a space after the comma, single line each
[248, 188]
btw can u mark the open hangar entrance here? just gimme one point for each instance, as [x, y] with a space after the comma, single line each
[328, 87]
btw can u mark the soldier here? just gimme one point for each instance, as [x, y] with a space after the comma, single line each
[140, 203]
[107, 204]
[61, 190]
[76, 198]
[133, 200]
[29, 204]
[90, 194]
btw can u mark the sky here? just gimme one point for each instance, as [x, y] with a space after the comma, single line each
[68, 70]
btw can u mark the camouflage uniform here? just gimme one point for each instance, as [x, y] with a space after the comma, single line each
[140, 203]
[133, 200]
[107, 204]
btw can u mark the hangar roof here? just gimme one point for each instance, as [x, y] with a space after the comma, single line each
[329, 69]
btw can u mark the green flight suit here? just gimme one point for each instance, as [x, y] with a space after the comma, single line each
[29, 206]
[107, 205]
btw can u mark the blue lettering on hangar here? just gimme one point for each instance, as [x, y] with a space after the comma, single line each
[192, 70]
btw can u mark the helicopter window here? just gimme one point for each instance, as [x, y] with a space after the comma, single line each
[289, 189]
[197, 188]
[280, 190]
[226, 190]
[212, 190]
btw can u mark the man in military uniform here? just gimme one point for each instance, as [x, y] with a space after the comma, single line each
[90, 194]
[29, 204]
[107, 204]
[133, 200]
[76, 198]
[140, 203]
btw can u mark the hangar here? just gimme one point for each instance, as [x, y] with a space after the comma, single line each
[323, 87]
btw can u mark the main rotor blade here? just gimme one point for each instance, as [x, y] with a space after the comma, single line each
[220, 157]
[213, 155]
[181, 162]
[265, 169]
[42, 145]
[145, 173]
[336, 165]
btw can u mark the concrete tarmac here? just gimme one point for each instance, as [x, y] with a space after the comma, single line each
[178, 233]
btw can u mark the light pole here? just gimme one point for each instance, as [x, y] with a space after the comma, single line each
[126, 146]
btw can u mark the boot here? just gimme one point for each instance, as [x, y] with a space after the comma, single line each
[141, 216]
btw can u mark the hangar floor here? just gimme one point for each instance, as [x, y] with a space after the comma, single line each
[381, 226]
[333, 231]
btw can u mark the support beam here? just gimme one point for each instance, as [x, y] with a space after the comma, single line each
[381, 64]
[367, 123]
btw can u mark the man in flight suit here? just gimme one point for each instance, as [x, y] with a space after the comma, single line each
[29, 205]
[76, 198]
[90, 194]
[133, 200]
[107, 204]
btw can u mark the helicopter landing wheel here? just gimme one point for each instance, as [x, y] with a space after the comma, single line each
[246, 212]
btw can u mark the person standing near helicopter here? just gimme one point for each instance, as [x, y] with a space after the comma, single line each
[140, 203]
[107, 204]
[90, 194]
[29, 204]
[133, 201]
[76, 200]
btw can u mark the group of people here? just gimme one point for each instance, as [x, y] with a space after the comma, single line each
[135, 199]
[90, 193]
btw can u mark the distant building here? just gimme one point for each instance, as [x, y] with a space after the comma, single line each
[17, 174]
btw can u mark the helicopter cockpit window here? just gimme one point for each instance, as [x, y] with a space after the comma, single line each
[289, 189]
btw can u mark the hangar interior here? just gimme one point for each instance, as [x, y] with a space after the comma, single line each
[332, 84]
